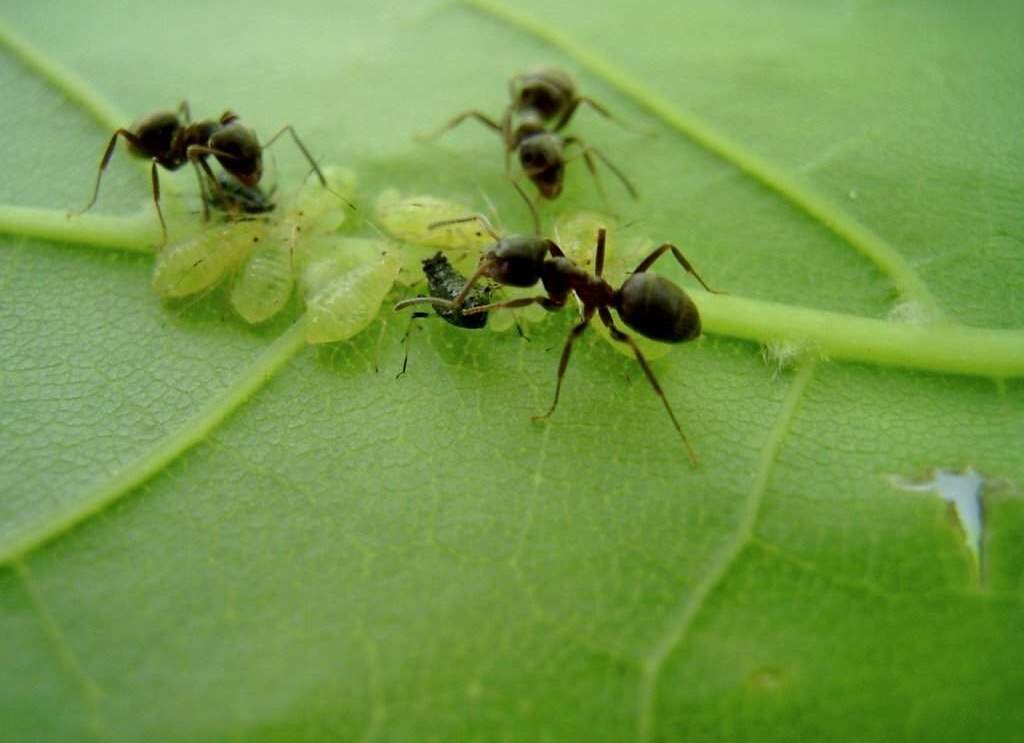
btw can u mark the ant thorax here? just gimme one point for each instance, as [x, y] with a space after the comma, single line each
[575, 232]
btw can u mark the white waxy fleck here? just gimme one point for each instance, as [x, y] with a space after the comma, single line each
[961, 490]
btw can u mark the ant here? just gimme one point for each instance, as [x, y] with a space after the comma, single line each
[170, 139]
[543, 98]
[646, 302]
[445, 282]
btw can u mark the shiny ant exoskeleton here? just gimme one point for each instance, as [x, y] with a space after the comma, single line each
[445, 282]
[648, 303]
[170, 139]
[543, 102]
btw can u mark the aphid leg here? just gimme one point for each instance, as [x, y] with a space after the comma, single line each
[519, 329]
[155, 178]
[533, 208]
[660, 251]
[185, 112]
[104, 162]
[407, 338]
[482, 118]
[621, 337]
[509, 304]
[575, 333]
[484, 222]
[588, 150]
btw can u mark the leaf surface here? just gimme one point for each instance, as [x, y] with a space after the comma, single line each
[211, 531]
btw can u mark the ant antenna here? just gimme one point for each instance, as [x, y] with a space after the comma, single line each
[485, 223]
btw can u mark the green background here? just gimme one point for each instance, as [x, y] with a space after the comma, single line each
[350, 556]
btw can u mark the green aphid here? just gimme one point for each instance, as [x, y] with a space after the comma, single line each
[345, 283]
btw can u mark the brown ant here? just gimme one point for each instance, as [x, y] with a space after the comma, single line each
[170, 139]
[648, 303]
[543, 102]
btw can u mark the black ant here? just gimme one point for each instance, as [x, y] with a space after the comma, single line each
[543, 102]
[170, 139]
[445, 282]
[648, 303]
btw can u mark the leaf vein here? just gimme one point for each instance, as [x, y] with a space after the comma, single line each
[793, 190]
[90, 690]
[681, 620]
[165, 450]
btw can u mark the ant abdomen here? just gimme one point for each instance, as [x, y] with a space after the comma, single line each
[658, 309]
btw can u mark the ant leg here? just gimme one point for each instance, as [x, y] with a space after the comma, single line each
[482, 118]
[509, 304]
[197, 156]
[621, 337]
[530, 204]
[448, 304]
[105, 161]
[463, 220]
[298, 142]
[569, 112]
[203, 193]
[407, 339]
[660, 251]
[599, 256]
[575, 333]
[155, 178]
[587, 150]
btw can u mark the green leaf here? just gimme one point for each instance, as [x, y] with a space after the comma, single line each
[213, 531]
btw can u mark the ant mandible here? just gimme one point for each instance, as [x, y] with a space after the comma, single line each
[170, 139]
[648, 303]
[543, 98]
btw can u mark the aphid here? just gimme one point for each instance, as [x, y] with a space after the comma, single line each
[200, 261]
[235, 199]
[345, 284]
[646, 302]
[264, 248]
[264, 284]
[409, 219]
[445, 282]
[542, 103]
[169, 139]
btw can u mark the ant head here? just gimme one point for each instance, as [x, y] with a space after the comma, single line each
[238, 150]
[546, 90]
[541, 159]
[516, 260]
[655, 307]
